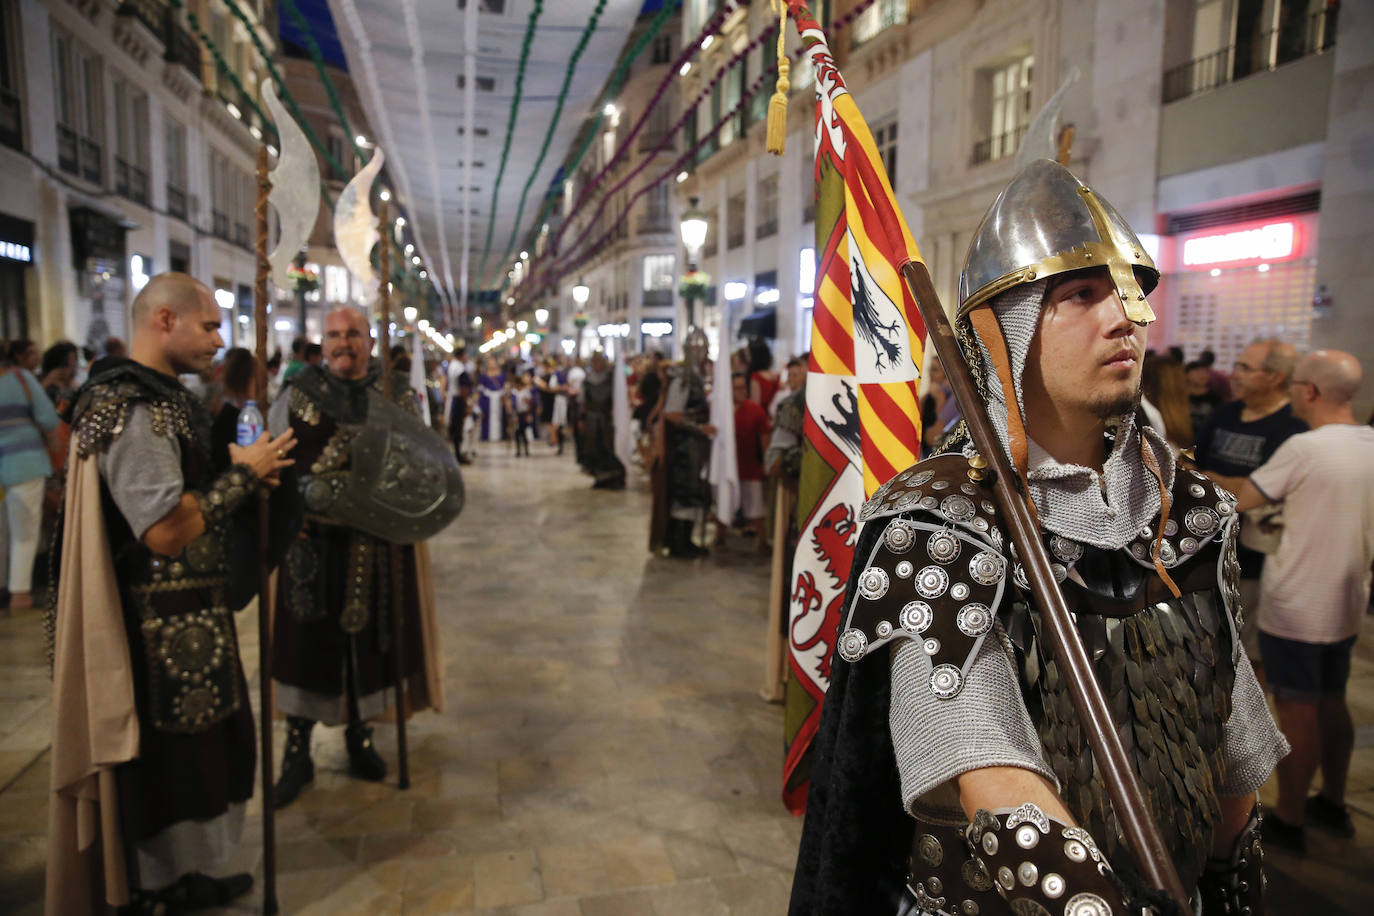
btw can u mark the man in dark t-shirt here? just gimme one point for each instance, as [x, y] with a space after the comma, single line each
[1241, 435]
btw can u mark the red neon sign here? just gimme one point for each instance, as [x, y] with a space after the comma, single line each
[1251, 243]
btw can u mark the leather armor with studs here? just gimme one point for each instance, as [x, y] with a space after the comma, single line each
[942, 573]
[175, 605]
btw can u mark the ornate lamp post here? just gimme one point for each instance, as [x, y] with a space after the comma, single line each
[580, 293]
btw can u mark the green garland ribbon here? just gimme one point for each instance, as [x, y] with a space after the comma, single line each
[530, 27]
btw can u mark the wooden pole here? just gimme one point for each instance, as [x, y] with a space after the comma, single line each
[1128, 802]
[777, 596]
[397, 593]
[269, 826]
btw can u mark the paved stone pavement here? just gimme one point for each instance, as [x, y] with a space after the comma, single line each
[604, 750]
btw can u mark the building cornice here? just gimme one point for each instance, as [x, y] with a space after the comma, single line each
[228, 126]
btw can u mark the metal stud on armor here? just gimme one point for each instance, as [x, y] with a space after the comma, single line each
[1037, 860]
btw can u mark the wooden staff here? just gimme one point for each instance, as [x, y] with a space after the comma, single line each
[397, 666]
[777, 596]
[269, 826]
[1137, 825]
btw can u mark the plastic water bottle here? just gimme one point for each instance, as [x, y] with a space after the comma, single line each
[250, 423]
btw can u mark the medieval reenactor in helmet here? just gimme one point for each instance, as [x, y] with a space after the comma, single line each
[371, 475]
[948, 731]
[682, 495]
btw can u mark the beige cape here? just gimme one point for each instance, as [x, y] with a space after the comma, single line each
[95, 722]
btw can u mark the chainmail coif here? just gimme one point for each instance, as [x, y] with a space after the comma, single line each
[1069, 498]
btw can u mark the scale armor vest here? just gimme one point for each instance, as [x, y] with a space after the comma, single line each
[942, 572]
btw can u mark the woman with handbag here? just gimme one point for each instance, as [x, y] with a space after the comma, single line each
[26, 415]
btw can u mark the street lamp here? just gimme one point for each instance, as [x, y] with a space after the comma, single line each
[541, 316]
[410, 312]
[693, 228]
[581, 293]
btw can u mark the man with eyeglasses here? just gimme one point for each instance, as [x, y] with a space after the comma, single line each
[1237, 438]
[1316, 589]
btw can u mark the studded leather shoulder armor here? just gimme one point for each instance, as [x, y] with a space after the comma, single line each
[936, 575]
[1199, 513]
[102, 409]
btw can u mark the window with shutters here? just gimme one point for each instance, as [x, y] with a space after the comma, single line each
[734, 217]
[80, 109]
[766, 221]
[131, 141]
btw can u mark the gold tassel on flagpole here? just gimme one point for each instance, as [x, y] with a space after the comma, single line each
[777, 105]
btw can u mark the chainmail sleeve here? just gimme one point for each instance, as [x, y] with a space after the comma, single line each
[935, 740]
[1252, 744]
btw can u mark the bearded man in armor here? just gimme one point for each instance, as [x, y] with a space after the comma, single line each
[335, 592]
[153, 757]
[948, 730]
[681, 492]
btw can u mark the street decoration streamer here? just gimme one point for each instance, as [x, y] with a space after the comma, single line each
[862, 422]
[674, 68]
[560, 264]
[553, 120]
[530, 26]
[355, 228]
[613, 86]
[295, 190]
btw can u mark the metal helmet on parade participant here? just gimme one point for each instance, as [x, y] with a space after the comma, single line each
[1047, 222]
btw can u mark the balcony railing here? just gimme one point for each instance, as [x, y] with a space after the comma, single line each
[651, 138]
[241, 234]
[766, 228]
[735, 240]
[182, 48]
[219, 225]
[67, 150]
[653, 223]
[1301, 37]
[92, 168]
[151, 13]
[176, 201]
[998, 147]
[710, 248]
[658, 297]
[873, 23]
[11, 121]
[131, 182]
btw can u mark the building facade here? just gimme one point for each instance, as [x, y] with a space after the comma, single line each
[1230, 133]
[126, 149]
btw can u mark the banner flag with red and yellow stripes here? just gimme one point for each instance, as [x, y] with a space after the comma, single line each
[862, 422]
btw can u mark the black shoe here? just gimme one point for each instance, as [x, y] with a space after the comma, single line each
[297, 769]
[296, 774]
[1281, 835]
[1324, 813]
[363, 760]
[190, 893]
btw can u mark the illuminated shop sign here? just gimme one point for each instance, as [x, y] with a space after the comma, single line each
[1280, 240]
[15, 252]
[655, 328]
